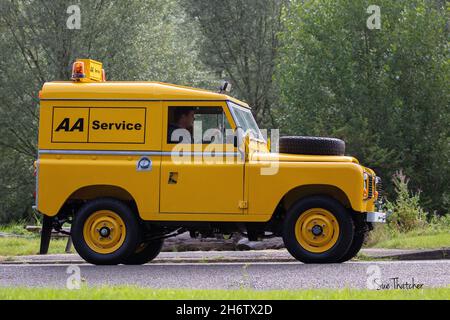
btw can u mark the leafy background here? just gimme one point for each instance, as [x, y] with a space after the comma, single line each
[306, 67]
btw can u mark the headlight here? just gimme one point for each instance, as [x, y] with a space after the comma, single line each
[369, 186]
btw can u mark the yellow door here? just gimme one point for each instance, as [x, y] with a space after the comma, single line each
[205, 172]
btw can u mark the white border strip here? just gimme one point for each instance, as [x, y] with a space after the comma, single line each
[137, 153]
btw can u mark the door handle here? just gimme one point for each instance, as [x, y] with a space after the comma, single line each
[173, 177]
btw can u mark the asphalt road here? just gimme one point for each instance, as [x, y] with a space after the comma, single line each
[260, 275]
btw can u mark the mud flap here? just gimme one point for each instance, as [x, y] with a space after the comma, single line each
[46, 233]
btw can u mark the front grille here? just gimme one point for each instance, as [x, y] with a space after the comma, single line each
[370, 187]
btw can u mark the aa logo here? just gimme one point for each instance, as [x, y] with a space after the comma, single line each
[98, 125]
[66, 126]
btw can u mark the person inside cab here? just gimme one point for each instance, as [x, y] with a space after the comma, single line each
[182, 127]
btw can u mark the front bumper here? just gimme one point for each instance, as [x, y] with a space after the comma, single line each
[379, 217]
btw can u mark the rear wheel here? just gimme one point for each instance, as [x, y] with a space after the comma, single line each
[318, 229]
[105, 231]
[145, 252]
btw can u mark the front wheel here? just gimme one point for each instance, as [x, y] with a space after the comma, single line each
[361, 232]
[318, 229]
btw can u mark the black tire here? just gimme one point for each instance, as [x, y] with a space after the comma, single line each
[361, 232]
[130, 242]
[145, 252]
[312, 145]
[344, 238]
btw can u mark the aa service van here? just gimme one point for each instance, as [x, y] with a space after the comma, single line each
[109, 166]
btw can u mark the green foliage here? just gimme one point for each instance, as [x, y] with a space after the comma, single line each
[440, 223]
[17, 246]
[407, 213]
[308, 67]
[411, 240]
[136, 40]
[16, 185]
[385, 92]
[409, 226]
[241, 42]
[17, 228]
[139, 293]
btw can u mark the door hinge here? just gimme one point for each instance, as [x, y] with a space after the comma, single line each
[243, 204]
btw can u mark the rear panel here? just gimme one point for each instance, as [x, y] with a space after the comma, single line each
[83, 143]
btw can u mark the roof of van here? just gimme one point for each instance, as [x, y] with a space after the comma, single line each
[127, 90]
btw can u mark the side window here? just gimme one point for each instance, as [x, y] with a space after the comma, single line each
[202, 125]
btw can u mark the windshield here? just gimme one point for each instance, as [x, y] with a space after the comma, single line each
[244, 119]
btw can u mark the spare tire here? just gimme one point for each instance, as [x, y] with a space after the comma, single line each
[312, 145]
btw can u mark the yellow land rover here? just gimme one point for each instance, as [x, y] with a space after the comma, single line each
[129, 164]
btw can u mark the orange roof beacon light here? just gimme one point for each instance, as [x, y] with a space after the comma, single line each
[87, 70]
[103, 75]
[78, 70]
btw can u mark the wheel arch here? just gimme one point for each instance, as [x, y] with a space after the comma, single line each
[91, 192]
[304, 191]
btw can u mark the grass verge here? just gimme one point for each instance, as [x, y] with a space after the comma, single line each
[11, 246]
[26, 242]
[414, 241]
[381, 237]
[125, 293]
[426, 238]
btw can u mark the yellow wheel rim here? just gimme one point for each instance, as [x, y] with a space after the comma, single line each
[317, 230]
[104, 231]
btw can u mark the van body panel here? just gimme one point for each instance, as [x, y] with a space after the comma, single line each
[92, 137]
